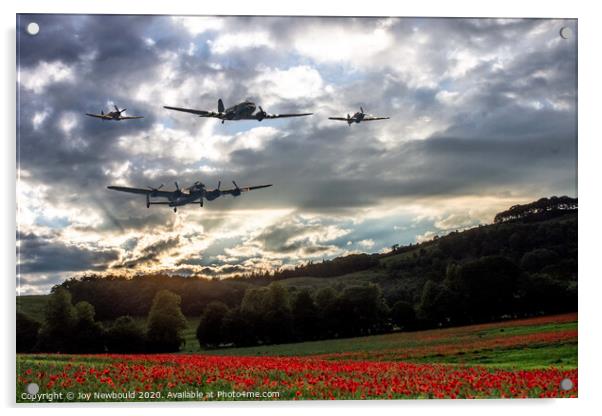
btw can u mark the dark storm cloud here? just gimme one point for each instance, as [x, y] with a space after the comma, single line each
[42, 255]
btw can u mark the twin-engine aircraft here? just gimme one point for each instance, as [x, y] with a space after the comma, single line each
[358, 117]
[113, 115]
[196, 193]
[241, 111]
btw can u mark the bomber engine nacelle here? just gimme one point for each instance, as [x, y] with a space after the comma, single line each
[237, 191]
[261, 114]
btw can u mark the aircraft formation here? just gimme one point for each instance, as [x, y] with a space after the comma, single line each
[198, 192]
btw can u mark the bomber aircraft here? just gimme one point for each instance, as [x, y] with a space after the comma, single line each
[241, 111]
[195, 193]
[358, 117]
[113, 115]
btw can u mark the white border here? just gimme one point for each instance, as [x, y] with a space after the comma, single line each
[590, 291]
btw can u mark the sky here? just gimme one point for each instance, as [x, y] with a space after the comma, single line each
[483, 117]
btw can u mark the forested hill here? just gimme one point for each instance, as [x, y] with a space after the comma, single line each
[524, 263]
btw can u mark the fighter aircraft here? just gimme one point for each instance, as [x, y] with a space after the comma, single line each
[242, 111]
[358, 117]
[179, 197]
[113, 115]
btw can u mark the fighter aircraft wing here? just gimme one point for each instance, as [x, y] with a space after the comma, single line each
[286, 115]
[130, 117]
[244, 189]
[201, 113]
[104, 117]
[374, 118]
[339, 118]
[142, 191]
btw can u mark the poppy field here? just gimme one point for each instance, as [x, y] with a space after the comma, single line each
[513, 359]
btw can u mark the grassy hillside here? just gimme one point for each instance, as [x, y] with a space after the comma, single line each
[32, 305]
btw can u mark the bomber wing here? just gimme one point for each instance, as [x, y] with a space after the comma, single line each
[200, 113]
[269, 116]
[375, 118]
[238, 190]
[142, 191]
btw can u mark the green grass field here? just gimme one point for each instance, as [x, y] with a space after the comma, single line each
[523, 344]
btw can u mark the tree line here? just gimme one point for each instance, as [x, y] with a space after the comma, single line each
[69, 328]
[544, 208]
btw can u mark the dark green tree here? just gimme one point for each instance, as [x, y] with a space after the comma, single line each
[88, 335]
[209, 331]
[165, 323]
[56, 332]
[237, 329]
[278, 315]
[27, 332]
[125, 336]
[439, 305]
[327, 304]
[486, 287]
[403, 315]
[305, 315]
[537, 259]
[362, 310]
[253, 308]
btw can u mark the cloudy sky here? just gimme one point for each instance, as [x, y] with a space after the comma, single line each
[483, 116]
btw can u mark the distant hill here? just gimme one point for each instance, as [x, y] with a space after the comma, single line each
[32, 306]
[535, 243]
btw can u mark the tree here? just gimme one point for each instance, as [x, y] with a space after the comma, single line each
[544, 294]
[327, 305]
[278, 315]
[253, 308]
[88, 335]
[237, 329]
[305, 315]
[362, 310]
[268, 312]
[59, 323]
[209, 331]
[403, 315]
[125, 336]
[486, 286]
[537, 259]
[434, 304]
[541, 209]
[165, 323]
[27, 332]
